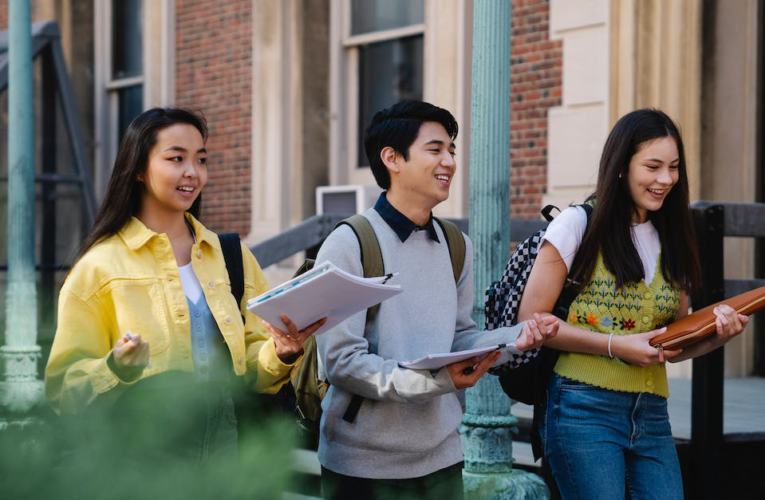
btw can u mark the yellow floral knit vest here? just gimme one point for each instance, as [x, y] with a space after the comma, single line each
[636, 308]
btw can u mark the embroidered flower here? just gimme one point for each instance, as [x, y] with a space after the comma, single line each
[572, 318]
[592, 319]
[606, 321]
[629, 324]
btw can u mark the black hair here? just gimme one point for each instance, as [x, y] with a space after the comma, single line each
[123, 194]
[609, 231]
[398, 127]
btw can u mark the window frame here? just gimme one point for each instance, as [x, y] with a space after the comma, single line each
[157, 76]
[344, 89]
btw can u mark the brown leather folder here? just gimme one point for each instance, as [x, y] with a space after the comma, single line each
[701, 324]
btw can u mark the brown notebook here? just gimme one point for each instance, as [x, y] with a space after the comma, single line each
[701, 324]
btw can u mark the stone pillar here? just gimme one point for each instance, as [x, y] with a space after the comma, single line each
[488, 425]
[21, 389]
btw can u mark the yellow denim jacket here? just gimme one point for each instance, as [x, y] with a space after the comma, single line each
[130, 282]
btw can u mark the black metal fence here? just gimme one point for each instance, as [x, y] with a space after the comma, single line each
[716, 460]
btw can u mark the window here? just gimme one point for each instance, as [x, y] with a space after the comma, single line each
[125, 84]
[134, 70]
[382, 63]
[120, 78]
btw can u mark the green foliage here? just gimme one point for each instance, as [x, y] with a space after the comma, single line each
[103, 456]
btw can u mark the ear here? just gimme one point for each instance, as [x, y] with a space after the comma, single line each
[390, 159]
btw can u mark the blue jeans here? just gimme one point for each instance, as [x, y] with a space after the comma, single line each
[601, 444]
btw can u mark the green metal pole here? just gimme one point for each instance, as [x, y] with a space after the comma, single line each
[21, 389]
[487, 426]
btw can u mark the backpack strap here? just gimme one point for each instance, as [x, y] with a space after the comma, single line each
[372, 262]
[456, 243]
[569, 293]
[232, 254]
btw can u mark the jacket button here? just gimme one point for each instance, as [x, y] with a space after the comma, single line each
[211, 284]
[647, 295]
[228, 320]
[646, 319]
[649, 383]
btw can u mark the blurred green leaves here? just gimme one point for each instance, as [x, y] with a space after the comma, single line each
[141, 453]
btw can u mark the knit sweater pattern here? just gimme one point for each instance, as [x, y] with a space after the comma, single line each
[635, 308]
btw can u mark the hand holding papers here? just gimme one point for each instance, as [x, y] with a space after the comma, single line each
[438, 361]
[323, 291]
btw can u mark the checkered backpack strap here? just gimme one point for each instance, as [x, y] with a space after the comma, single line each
[503, 297]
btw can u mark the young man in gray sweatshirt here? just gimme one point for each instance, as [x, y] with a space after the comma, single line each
[403, 442]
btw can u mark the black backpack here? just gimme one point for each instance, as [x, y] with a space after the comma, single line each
[525, 377]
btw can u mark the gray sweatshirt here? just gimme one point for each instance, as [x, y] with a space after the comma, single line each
[407, 424]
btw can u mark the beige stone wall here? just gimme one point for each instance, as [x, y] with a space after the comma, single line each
[578, 127]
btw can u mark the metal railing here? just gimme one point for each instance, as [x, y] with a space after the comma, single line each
[714, 222]
[310, 233]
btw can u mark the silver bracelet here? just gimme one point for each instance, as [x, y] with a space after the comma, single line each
[610, 337]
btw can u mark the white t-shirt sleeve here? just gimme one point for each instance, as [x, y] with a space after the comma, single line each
[565, 233]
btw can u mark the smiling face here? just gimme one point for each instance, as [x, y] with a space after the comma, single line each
[653, 171]
[422, 181]
[176, 170]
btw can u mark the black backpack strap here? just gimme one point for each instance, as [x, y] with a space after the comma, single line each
[232, 254]
[372, 262]
[457, 248]
[569, 293]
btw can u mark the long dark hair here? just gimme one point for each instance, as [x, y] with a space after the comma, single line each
[123, 194]
[609, 230]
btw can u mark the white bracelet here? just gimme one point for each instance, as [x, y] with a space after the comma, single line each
[610, 337]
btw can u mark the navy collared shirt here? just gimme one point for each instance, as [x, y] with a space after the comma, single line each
[400, 224]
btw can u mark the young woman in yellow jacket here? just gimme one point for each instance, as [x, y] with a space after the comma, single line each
[146, 311]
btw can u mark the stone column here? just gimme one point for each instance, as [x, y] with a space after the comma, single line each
[21, 389]
[488, 425]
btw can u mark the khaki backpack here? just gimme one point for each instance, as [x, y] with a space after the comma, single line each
[310, 389]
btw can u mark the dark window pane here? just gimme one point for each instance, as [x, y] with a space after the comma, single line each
[130, 105]
[388, 72]
[127, 44]
[377, 15]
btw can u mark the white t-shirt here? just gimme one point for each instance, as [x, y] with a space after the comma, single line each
[565, 233]
[191, 285]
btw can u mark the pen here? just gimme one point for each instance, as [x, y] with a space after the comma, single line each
[389, 276]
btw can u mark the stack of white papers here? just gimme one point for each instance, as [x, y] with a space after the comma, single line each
[438, 361]
[323, 291]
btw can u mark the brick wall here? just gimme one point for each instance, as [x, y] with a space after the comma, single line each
[536, 85]
[4, 13]
[214, 75]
